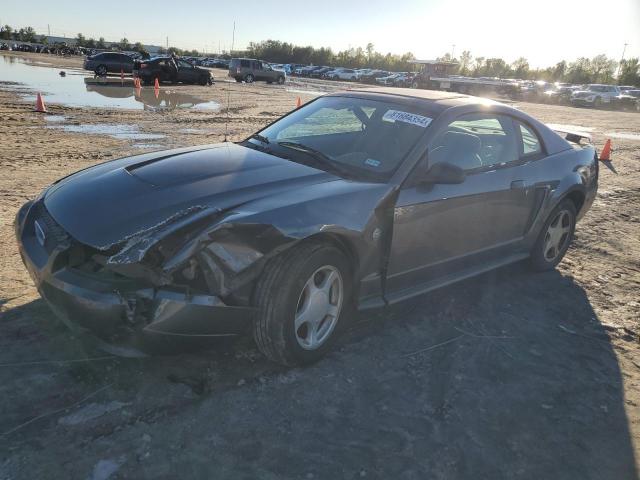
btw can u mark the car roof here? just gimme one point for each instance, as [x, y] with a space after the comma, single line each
[434, 98]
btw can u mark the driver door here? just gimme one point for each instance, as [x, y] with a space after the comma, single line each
[444, 231]
[186, 72]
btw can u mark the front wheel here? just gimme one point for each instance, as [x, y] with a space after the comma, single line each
[101, 70]
[300, 298]
[555, 237]
[280, 80]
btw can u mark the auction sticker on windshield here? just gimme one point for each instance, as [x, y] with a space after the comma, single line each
[406, 117]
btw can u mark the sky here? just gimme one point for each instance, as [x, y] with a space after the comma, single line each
[543, 31]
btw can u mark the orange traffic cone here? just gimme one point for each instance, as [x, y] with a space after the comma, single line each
[605, 156]
[40, 106]
[156, 85]
[298, 103]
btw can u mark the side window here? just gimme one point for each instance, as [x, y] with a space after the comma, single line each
[475, 141]
[256, 65]
[184, 64]
[245, 63]
[530, 141]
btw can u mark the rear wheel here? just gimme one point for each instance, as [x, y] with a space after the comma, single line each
[248, 78]
[101, 70]
[555, 238]
[597, 102]
[300, 298]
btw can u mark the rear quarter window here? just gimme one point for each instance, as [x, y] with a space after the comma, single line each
[530, 142]
[245, 63]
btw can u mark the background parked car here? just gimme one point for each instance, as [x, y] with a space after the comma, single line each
[106, 62]
[167, 69]
[250, 70]
[559, 94]
[595, 95]
[372, 75]
[628, 100]
[344, 74]
[320, 72]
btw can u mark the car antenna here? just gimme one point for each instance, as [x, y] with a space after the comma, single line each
[226, 124]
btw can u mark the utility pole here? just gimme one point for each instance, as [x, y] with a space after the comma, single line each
[453, 51]
[624, 49]
[167, 42]
[48, 30]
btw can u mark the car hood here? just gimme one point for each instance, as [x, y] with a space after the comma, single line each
[106, 204]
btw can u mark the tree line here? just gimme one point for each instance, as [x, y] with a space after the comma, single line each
[598, 69]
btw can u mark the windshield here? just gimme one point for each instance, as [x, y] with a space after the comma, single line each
[352, 137]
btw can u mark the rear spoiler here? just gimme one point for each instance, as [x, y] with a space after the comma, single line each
[573, 136]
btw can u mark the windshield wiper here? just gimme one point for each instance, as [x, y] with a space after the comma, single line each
[260, 138]
[316, 155]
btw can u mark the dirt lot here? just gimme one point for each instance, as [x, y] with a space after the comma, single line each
[517, 375]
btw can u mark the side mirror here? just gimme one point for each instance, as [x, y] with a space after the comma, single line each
[444, 173]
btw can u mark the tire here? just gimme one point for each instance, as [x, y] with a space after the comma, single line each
[101, 70]
[281, 293]
[542, 258]
[249, 78]
[203, 81]
[280, 80]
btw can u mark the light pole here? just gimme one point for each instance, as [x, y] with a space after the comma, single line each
[624, 49]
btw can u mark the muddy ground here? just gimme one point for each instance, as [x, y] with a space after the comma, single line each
[516, 375]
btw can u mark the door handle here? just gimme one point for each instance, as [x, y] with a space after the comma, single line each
[517, 185]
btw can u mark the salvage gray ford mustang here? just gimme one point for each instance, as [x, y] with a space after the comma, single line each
[361, 198]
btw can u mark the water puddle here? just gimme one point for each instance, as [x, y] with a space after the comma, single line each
[148, 145]
[623, 135]
[55, 118]
[565, 127]
[305, 92]
[192, 130]
[116, 131]
[78, 89]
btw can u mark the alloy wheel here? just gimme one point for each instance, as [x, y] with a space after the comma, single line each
[557, 235]
[318, 307]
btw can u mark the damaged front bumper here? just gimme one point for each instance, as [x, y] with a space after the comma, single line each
[122, 312]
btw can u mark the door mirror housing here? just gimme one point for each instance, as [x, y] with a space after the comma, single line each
[446, 173]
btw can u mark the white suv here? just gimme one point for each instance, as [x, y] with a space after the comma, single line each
[343, 74]
[595, 95]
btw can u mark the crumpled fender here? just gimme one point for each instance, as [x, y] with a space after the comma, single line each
[233, 251]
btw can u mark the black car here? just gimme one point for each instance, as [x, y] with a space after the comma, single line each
[362, 198]
[319, 73]
[109, 62]
[169, 69]
[373, 75]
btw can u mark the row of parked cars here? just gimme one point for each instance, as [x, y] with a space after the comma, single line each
[366, 75]
[57, 49]
[618, 97]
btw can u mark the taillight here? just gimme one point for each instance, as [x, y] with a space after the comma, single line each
[143, 65]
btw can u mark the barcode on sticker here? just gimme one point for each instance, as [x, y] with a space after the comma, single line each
[406, 117]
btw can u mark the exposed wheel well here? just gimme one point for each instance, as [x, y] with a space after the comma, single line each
[341, 244]
[577, 198]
